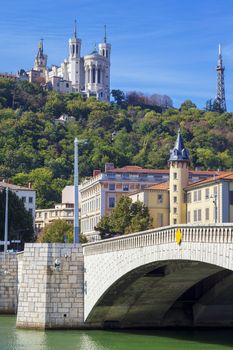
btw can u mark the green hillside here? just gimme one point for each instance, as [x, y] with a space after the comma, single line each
[35, 148]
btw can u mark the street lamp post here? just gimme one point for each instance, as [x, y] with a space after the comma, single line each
[6, 223]
[76, 204]
[76, 192]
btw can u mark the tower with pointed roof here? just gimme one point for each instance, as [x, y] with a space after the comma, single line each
[75, 62]
[179, 174]
[220, 99]
[40, 63]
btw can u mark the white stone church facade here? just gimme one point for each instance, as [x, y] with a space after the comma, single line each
[89, 75]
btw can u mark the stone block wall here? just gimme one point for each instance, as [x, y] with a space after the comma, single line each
[8, 283]
[51, 288]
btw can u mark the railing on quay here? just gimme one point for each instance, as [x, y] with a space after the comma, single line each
[216, 233]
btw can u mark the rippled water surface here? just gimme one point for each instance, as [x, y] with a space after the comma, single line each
[15, 339]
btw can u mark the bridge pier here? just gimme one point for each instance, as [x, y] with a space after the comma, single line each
[51, 287]
[8, 283]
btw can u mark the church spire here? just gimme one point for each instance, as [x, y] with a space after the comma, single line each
[105, 34]
[75, 29]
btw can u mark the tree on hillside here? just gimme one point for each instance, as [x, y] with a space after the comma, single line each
[119, 96]
[20, 222]
[59, 231]
[127, 217]
[186, 105]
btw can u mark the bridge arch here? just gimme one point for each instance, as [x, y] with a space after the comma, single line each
[207, 251]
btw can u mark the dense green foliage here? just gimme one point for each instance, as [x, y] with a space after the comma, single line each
[35, 148]
[59, 231]
[127, 217]
[20, 223]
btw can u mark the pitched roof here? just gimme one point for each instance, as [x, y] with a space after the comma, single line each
[139, 169]
[223, 176]
[179, 152]
[160, 186]
[4, 184]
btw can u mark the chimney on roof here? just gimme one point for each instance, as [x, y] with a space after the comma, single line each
[96, 172]
[109, 166]
[29, 185]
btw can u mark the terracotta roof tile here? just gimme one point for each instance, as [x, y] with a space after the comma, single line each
[159, 186]
[224, 176]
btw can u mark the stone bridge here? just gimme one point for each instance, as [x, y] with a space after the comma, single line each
[145, 279]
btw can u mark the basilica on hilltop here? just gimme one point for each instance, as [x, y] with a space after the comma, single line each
[89, 74]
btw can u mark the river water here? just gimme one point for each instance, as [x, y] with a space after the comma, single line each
[15, 339]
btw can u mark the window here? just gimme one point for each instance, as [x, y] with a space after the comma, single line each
[199, 214]
[174, 176]
[207, 193]
[30, 211]
[231, 197]
[30, 199]
[125, 187]
[215, 190]
[93, 75]
[175, 199]
[160, 198]
[195, 196]
[174, 188]
[188, 217]
[189, 197]
[111, 187]
[143, 177]
[195, 215]
[45, 215]
[111, 202]
[207, 213]
[67, 85]
[125, 176]
[98, 76]
[24, 199]
[174, 210]
[174, 221]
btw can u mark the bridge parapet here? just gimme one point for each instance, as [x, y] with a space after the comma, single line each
[219, 233]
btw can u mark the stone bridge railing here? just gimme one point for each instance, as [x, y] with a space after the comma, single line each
[217, 233]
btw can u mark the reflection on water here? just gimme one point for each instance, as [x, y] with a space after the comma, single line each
[18, 339]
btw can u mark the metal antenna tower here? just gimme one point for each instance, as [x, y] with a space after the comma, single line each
[220, 97]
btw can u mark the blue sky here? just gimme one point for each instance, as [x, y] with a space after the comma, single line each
[158, 46]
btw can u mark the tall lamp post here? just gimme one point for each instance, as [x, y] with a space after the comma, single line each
[76, 193]
[6, 223]
[76, 205]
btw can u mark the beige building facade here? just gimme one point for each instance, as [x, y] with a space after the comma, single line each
[210, 201]
[156, 198]
[64, 211]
